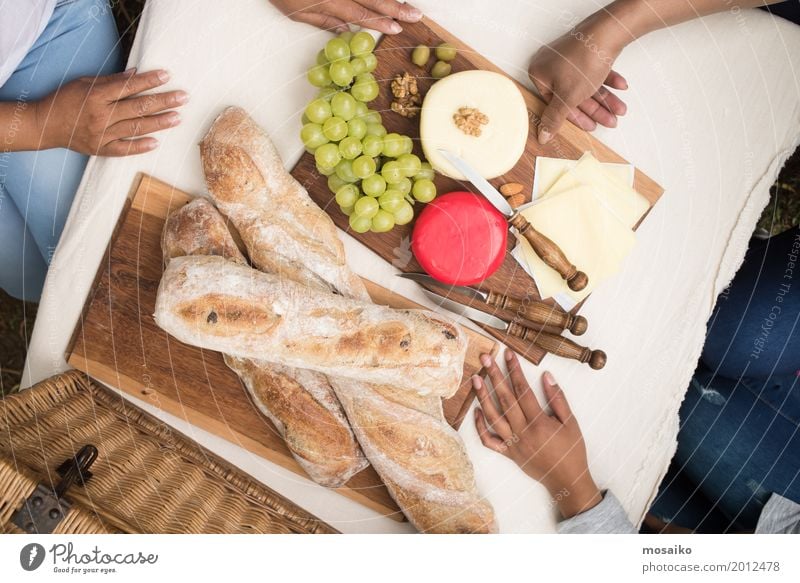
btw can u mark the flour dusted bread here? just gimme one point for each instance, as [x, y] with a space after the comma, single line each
[214, 303]
[300, 403]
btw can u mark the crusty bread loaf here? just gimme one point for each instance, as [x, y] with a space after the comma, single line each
[300, 403]
[214, 303]
[421, 459]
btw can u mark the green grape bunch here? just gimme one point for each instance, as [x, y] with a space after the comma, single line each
[374, 176]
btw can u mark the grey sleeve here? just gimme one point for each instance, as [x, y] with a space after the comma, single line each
[779, 516]
[608, 517]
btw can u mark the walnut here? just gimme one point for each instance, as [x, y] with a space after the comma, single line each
[469, 120]
[406, 93]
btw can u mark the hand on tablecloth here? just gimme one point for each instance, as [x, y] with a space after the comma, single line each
[549, 448]
[380, 15]
[107, 116]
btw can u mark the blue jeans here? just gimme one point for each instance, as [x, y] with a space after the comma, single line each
[739, 438]
[37, 188]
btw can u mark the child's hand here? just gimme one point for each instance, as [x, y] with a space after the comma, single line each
[380, 15]
[106, 116]
[548, 448]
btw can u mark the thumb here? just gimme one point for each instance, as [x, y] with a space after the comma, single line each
[552, 118]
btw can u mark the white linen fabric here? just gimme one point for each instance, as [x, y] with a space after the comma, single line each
[21, 23]
[714, 110]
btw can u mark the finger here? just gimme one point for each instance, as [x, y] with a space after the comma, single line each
[498, 423]
[128, 147]
[147, 104]
[141, 126]
[505, 396]
[610, 101]
[616, 81]
[404, 12]
[488, 439]
[323, 21]
[598, 113]
[525, 397]
[359, 14]
[582, 120]
[553, 117]
[122, 88]
[556, 399]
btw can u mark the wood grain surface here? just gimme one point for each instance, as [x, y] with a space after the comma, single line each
[118, 343]
[394, 57]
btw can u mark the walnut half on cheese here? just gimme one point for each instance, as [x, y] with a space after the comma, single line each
[478, 115]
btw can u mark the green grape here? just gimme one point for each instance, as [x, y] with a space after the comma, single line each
[327, 93]
[361, 110]
[371, 116]
[420, 55]
[347, 195]
[391, 172]
[373, 185]
[312, 135]
[410, 164]
[376, 129]
[356, 128]
[327, 155]
[372, 145]
[372, 62]
[360, 224]
[341, 73]
[318, 76]
[343, 105]
[382, 221]
[391, 200]
[347, 210]
[363, 166]
[424, 190]
[324, 171]
[361, 44]
[404, 214]
[446, 52]
[408, 145]
[344, 170]
[366, 206]
[425, 171]
[440, 69]
[334, 182]
[350, 148]
[347, 35]
[337, 49]
[392, 145]
[334, 128]
[321, 58]
[403, 186]
[365, 87]
[318, 111]
[358, 65]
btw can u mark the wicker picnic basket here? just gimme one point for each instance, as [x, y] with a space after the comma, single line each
[146, 478]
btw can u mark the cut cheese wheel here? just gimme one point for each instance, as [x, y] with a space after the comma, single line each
[490, 127]
[460, 238]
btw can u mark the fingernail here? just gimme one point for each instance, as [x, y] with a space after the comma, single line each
[544, 136]
[163, 76]
[173, 118]
[152, 144]
[412, 14]
[486, 360]
[129, 71]
[181, 97]
[509, 355]
[549, 378]
[476, 382]
[394, 28]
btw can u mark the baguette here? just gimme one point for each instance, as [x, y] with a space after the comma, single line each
[300, 403]
[420, 458]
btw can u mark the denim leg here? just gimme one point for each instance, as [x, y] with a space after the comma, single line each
[22, 268]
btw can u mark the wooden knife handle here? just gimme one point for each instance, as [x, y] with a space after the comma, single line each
[550, 253]
[559, 345]
[539, 312]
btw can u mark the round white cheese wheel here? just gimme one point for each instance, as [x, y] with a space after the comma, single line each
[502, 138]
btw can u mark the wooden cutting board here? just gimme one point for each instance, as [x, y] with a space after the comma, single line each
[394, 54]
[117, 342]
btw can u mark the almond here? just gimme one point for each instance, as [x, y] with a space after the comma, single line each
[510, 188]
[516, 200]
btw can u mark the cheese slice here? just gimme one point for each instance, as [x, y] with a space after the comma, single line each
[549, 170]
[589, 234]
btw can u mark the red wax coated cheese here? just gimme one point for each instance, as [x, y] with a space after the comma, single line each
[460, 238]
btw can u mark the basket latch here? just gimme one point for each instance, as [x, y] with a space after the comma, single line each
[46, 507]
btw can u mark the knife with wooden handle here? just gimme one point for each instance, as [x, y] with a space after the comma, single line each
[534, 311]
[549, 252]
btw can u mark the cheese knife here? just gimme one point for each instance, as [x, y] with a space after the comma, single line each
[552, 343]
[550, 253]
[535, 311]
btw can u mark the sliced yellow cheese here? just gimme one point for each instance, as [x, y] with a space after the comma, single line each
[549, 170]
[588, 233]
[503, 131]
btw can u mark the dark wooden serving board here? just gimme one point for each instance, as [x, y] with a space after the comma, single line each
[118, 343]
[394, 54]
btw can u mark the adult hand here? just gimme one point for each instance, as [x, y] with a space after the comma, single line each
[107, 116]
[549, 448]
[380, 15]
[573, 75]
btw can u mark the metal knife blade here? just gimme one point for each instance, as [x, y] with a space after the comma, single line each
[466, 311]
[490, 192]
[425, 279]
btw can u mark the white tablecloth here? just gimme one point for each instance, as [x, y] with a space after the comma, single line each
[714, 109]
